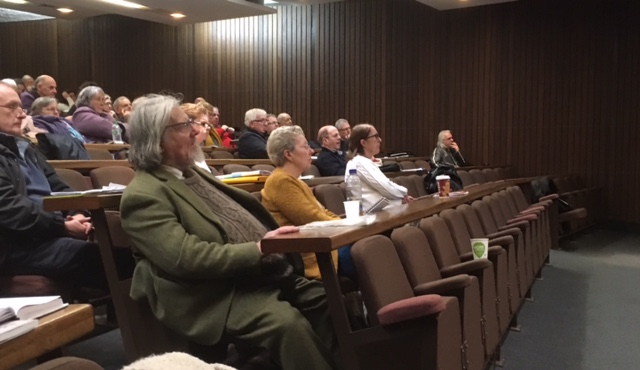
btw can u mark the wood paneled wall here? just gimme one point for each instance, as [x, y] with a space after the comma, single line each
[548, 86]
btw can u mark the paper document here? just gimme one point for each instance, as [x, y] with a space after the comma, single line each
[344, 222]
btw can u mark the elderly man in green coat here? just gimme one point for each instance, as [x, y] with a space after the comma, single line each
[201, 268]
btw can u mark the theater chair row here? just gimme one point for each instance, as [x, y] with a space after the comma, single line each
[398, 277]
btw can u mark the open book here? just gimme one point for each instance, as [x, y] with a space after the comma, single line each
[25, 308]
[16, 328]
[111, 188]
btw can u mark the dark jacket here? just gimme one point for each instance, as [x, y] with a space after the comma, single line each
[27, 98]
[252, 145]
[22, 220]
[55, 146]
[331, 162]
[448, 157]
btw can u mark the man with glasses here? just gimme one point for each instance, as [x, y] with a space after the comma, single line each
[32, 240]
[272, 124]
[44, 86]
[253, 143]
[344, 129]
[447, 152]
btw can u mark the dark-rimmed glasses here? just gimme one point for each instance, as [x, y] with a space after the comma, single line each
[181, 126]
[13, 106]
[377, 136]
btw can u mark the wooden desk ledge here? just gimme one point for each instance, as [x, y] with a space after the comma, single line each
[54, 331]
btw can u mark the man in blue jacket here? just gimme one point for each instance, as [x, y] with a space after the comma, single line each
[331, 161]
[253, 142]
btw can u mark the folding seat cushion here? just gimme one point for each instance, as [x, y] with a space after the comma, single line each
[496, 254]
[467, 179]
[449, 262]
[424, 276]
[478, 176]
[423, 332]
[508, 243]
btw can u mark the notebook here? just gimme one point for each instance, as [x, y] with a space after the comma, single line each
[16, 328]
[25, 308]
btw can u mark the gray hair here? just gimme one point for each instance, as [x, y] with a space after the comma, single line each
[441, 134]
[251, 115]
[116, 103]
[11, 82]
[282, 139]
[40, 103]
[146, 128]
[341, 122]
[85, 96]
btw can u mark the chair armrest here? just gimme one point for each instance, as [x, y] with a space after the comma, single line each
[501, 241]
[523, 218]
[410, 308]
[512, 231]
[549, 197]
[466, 256]
[469, 267]
[536, 210]
[443, 286]
[522, 226]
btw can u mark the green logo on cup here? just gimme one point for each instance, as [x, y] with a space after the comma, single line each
[478, 249]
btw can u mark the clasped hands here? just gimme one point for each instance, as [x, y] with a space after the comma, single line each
[78, 226]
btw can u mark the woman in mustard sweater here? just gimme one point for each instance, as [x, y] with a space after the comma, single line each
[290, 200]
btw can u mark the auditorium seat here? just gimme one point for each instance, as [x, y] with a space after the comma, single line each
[263, 167]
[231, 168]
[99, 154]
[496, 254]
[467, 179]
[331, 197]
[74, 179]
[407, 165]
[424, 276]
[418, 182]
[312, 171]
[490, 174]
[478, 176]
[450, 264]
[423, 332]
[103, 176]
[421, 163]
[501, 172]
[221, 154]
[407, 183]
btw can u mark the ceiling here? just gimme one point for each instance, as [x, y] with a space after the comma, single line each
[455, 4]
[196, 11]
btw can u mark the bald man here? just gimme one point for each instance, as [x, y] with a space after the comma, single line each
[44, 86]
[331, 160]
[284, 119]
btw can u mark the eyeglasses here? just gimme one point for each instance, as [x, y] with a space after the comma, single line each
[203, 124]
[377, 136]
[181, 126]
[14, 107]
[345, 129]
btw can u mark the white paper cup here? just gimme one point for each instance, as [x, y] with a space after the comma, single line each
[352, 209]
[480, 248]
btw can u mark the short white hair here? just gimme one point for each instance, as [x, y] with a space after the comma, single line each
[251, 115]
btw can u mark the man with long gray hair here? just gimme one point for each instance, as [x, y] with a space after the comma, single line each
[447, 152]
[201, 268]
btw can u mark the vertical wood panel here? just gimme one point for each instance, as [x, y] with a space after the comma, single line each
[548, 86]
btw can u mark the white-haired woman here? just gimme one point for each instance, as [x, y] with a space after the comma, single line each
[92, 119]
[290, 200]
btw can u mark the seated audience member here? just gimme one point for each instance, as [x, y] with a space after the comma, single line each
[43, 86]
[220, 135]
[272, 124]
[447, 151]
[69, 101]
[46, 116]
[32, 240]
[28, 82]
[122, 107]
[345, 132]
[331, 161]
[288, 198]
[364, 144]
[252, 143]
[201, 268]
[284, 119]
[92, 119]
[11, 82]
[198, 116]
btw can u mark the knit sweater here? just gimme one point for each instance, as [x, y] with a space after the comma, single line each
[291, 202]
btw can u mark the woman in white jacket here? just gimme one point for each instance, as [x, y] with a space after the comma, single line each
[364, 144]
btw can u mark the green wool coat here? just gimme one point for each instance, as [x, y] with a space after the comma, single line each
[189, 270]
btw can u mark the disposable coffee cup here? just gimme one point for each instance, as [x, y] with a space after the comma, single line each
[352, 209]
[444, 185]
[480, 248]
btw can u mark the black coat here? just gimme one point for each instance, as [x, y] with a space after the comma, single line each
[331, 163]
[22, 220]
[252, 145]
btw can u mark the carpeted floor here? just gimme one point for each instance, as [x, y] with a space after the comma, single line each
[586, 312]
